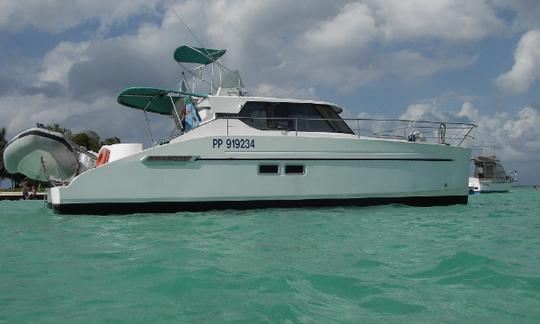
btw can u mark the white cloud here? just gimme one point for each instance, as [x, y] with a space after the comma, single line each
[526, 68]
[424, 111]
[24, 112]
[58, 15]
[269, 90]
[340, 44]
[450, 20]
[354, 26]
[411, 64]
[58, 62]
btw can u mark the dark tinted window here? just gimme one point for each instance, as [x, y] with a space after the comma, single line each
[309, 119]
[278, 116]
[268, 169]
[290, 116]
[294, 169]
[267, 115]
[256, 111]
[337, 123]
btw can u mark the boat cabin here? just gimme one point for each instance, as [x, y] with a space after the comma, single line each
[488, 167]
[282, 114]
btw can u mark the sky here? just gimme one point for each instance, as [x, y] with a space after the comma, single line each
[473, 61]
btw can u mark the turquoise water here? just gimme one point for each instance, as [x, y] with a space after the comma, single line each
[473, 263]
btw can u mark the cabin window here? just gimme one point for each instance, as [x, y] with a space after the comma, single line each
[303, 117]
[294, 169]
[268, 169]
[488, 170]
[334, 120]
[480, 172]
[278, 116]
[498, 172]
[309, 119]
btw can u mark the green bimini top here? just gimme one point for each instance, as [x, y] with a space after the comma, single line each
[189, 54]
[153, 99]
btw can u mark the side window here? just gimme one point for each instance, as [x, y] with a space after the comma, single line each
[488, 170]
[309, 120]
[304, 117]
[266, 115]
[479, 171]
[254, 114]
[278, 116]
[499, 172]
[337, 123]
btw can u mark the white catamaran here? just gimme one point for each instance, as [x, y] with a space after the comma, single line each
[232, 150]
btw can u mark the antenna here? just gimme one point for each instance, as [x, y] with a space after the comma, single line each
[187, 27]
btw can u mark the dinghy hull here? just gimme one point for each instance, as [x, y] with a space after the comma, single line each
[42, 155]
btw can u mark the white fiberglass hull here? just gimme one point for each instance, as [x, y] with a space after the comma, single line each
[194, 174]
[489, 185]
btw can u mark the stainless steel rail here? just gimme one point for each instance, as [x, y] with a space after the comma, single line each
[450, 133]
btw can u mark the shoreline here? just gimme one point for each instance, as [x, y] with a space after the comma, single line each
[17, 195]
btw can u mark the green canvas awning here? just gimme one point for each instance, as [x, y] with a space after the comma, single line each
[188, 54]
[152, 99]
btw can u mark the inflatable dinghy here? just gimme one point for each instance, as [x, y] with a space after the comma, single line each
[44, 155]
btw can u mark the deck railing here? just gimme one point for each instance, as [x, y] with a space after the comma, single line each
[450, 133]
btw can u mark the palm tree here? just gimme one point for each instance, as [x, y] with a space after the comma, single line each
[59, 129]
[89, 139]
[3, 142]
[110, 140]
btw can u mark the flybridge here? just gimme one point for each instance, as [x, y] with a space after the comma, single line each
[180, 103]
[207, 70]
[162, 101]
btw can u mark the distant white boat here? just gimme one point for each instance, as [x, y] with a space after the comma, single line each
[489, 176]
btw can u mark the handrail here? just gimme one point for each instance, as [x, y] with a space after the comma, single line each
[345, 119]
[411, 130]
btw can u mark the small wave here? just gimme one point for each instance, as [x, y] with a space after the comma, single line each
[389, 306]
[473, 270]
[368, 264]
[455, 264]
[341, 286]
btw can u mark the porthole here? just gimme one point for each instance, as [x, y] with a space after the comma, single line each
[268, 169]
[294, 169]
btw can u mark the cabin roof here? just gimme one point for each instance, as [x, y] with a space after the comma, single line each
[233, 104]
[485, 159]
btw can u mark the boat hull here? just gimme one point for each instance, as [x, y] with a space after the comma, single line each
[489, 185]
[171, 207]
[192, 175]
[41, 155]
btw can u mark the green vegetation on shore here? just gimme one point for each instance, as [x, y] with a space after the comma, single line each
[88, 139]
